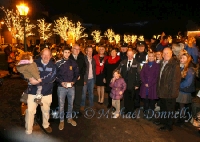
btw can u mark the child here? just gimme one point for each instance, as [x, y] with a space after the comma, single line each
[29, 69]
[118, 86]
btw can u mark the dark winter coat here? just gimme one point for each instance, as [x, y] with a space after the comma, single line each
[132, 76]
[168, 84]
[67, 71]
[48, 76]
[82, 68]
[108, 72]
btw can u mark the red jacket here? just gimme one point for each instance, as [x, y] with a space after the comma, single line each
[99, 69]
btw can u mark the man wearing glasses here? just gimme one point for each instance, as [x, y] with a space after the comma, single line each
[80, 60]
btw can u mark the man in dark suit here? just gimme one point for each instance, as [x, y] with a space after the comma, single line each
[80, 60]
[130, 69]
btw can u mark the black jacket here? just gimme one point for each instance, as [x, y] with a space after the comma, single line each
[141, 57]
[131, 77]
[87, 69]
[82, 68]
[108, 72]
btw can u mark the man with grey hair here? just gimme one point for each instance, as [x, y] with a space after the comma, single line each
[48, 71]
[80, 60]
[168, 87]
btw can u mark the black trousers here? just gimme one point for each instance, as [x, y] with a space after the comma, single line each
[109, 98]
[137, 98]
[78, 98]
[129, 100]
[167, 106]
[149, 104]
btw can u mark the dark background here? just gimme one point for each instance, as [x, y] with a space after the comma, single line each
[123, 16]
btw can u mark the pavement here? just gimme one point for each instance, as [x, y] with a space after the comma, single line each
[95, 125]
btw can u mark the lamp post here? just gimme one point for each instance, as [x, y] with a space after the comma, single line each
[1, 23]
[23, 11]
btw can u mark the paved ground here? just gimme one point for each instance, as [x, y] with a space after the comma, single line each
[95, 129]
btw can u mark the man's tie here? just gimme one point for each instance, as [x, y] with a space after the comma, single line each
[129, 65]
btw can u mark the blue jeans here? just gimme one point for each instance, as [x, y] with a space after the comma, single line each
[62, 93]
[88, 87]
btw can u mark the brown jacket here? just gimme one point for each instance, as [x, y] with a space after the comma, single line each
[168, 84]
[29, 70]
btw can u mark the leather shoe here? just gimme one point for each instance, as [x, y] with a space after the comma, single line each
[164, 128]
[156, 122]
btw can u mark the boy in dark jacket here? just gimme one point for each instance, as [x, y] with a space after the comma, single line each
[67, 76]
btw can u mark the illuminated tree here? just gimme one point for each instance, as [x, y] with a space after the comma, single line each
[44, 29]
[133, 38]
[117, 38]
[77, 31]
[62, 27]
[141, 38]
[127, 38]
[14, 21]
[110, 35]
[96, 36]
[156, 36]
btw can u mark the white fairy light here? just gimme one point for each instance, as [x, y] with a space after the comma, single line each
[141, 38]
[127, 38]
[44, 29]
[62, 27]
[77, 31]
[96, 36]
[109, 34]
[117, 38]
[133, 38]
[14, 21]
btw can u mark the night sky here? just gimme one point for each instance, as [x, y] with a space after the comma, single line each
[124, 16]
[124, 11]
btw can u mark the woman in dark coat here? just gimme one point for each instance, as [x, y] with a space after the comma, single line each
[149, 76]
[110, 65]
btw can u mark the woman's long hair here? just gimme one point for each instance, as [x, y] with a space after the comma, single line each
[186, 65]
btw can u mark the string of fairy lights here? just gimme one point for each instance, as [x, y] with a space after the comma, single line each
[63, 27]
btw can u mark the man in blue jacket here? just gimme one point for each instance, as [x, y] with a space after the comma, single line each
[47, 71]
[67, 75]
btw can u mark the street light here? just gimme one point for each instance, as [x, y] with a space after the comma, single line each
[23, 11]
[1, 23]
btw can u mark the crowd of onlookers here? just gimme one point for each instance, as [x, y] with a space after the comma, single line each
[160, 76]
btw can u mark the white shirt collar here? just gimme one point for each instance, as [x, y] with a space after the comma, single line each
[43, 63]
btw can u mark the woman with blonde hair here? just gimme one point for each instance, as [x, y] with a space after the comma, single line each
[149, 76]
[187, 85]
[191, 48]
[100, 60]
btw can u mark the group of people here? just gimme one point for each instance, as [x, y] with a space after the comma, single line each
[162, 76]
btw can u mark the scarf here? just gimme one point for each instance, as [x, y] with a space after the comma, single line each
[114, 60]
[164, 44]
[150, 64]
